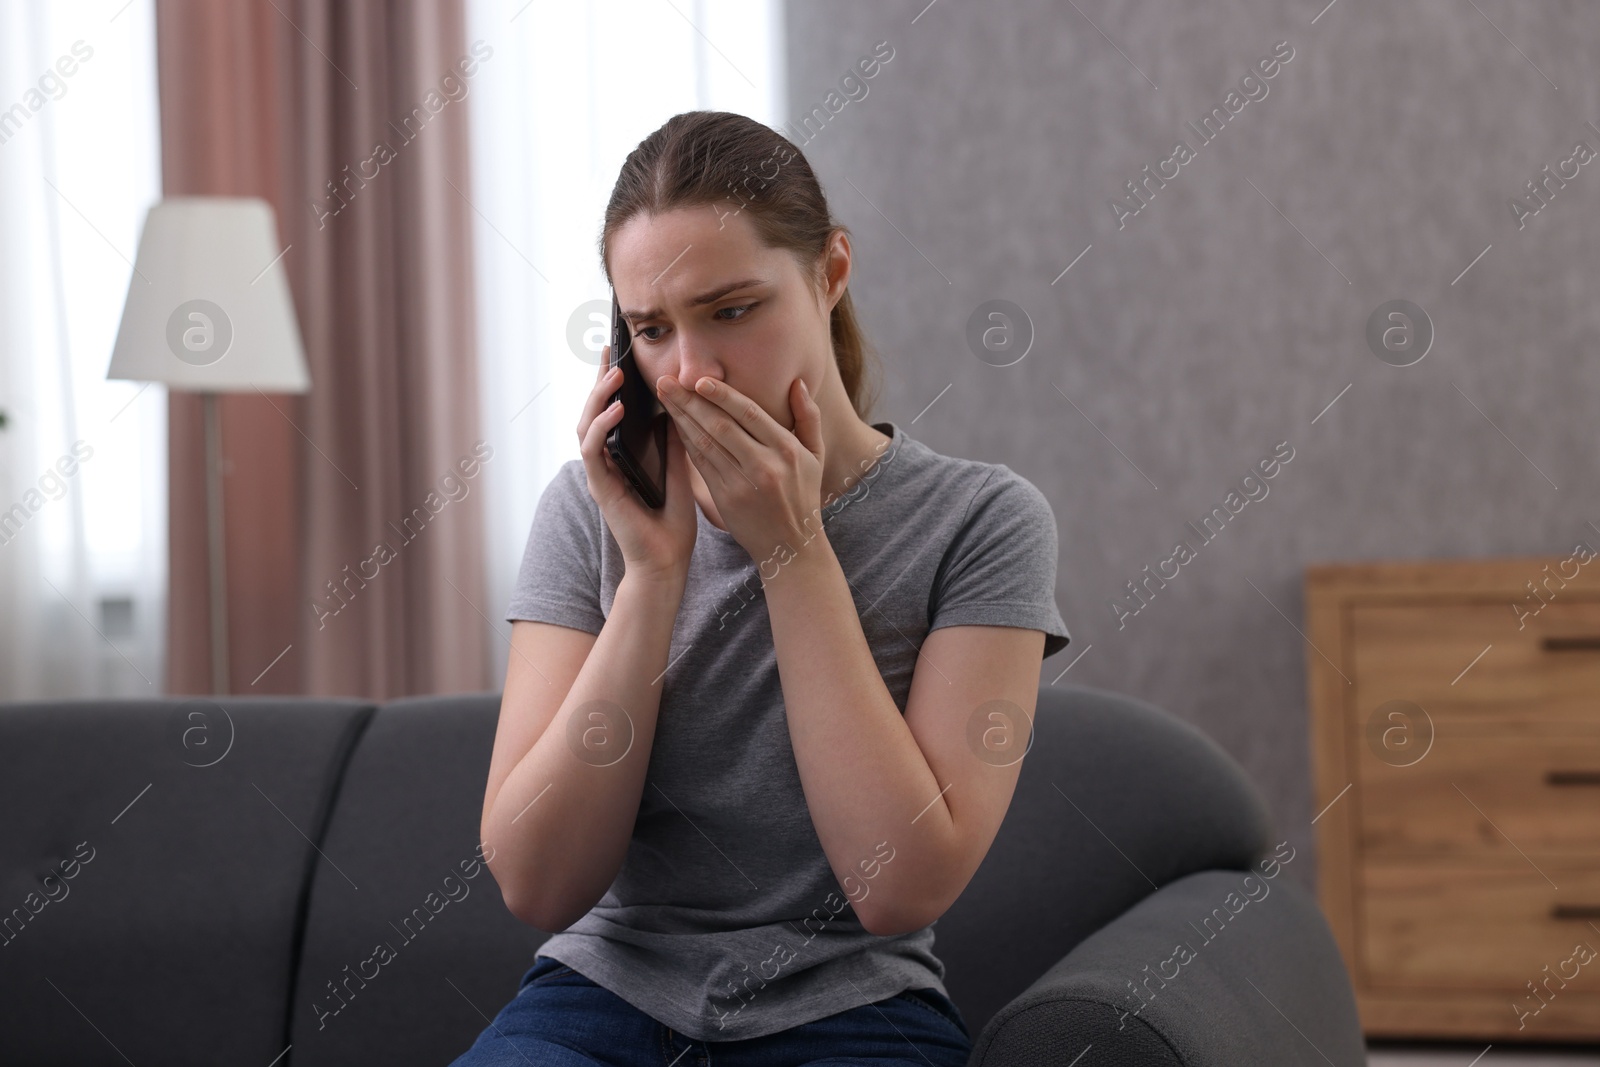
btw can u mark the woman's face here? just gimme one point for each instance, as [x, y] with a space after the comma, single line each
[705, 298]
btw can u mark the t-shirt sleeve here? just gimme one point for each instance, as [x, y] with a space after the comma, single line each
[1000, 569]
[559, 580]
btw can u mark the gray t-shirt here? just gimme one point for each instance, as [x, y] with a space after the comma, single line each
[726, 921]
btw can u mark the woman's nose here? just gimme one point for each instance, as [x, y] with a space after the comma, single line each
[694, 364]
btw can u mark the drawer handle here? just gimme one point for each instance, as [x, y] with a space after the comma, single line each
[1575, 911]
[1572, 777]
[1572, 643]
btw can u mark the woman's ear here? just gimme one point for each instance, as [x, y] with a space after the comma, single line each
[835, 268]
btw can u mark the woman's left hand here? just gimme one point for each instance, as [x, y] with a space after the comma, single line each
[766, 480]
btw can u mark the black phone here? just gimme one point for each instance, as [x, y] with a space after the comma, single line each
[638, 443]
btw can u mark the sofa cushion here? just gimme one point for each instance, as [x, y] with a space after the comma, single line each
[154, 857]
[412, 917]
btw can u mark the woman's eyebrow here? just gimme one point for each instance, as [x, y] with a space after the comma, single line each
[706, 297]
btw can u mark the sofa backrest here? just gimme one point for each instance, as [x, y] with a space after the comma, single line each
[409, 948]
[1116, 798]
[155, 861]
[264, 873]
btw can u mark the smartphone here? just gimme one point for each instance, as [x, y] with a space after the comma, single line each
[638, 443]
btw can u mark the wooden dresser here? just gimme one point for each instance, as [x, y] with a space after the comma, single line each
[1455, 747]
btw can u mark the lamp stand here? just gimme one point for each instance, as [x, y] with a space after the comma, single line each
[214, 553]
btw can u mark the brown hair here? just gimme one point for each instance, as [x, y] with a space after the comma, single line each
[706, 157]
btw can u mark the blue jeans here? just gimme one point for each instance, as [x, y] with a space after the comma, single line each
[559, 1018]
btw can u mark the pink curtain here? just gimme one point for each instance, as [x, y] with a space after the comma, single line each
[354, 523]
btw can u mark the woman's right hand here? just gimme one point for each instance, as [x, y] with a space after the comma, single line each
[656, 542]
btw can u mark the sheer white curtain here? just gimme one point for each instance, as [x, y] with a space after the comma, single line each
[82, 460]
[568, 92]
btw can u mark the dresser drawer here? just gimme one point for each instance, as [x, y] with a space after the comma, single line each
[1456, 757]
[1484, 926]
[1474, 793]
[1466, 660]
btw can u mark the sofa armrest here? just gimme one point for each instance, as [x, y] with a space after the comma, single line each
[1217, 969]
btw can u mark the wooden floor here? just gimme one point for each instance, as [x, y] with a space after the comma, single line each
[1388, 1054]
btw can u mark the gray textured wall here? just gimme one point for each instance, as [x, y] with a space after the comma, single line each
[1223, 318]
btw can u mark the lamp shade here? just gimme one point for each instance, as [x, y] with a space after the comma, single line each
[208, 305]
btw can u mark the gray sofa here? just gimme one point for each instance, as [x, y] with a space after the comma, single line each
[276, 882]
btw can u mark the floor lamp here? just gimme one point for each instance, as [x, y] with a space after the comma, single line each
[209, 311]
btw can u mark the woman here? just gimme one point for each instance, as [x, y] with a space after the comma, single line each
[753, 743]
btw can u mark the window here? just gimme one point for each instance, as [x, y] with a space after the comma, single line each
[568, 92]
[82, 459]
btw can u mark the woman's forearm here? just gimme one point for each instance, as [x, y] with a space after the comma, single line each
[876, 805]
[561, 823]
